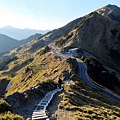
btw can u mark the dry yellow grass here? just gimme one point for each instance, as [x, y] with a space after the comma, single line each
[45, 67]
[84, 103]
[79, 100]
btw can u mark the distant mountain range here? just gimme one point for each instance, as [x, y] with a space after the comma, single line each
[30, 67]
[7, 43]
[97, 33]
[20, 34]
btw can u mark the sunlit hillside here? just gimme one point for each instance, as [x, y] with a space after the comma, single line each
[34, 68]
[42, 68]
[81, 102]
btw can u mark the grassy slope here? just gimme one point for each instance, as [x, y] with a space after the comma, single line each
[83, 102]
[80, 100]
[10, 116]
[45, 67]
[5, 112]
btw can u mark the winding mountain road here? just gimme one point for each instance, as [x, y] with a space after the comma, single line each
[82, 73]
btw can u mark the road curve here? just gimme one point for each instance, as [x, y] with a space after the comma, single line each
[82, 73]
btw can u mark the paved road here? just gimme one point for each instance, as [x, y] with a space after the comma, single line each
[82, 73]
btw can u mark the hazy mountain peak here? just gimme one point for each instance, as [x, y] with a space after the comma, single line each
[20, 34]
[8, 26]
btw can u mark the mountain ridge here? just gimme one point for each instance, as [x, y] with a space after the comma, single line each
[7, 43]
[20, 34]
[98, 34]
[29, 67]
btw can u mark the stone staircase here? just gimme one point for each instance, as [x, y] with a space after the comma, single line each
[40, 112]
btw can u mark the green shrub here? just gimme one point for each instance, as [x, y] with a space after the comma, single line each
[40, 92]
[100, 75]
[4, 63]
[4, 106]
[44, 50]
[12, 75]
[10, 116]
[73, 64]
[59, 42]
[49, 85]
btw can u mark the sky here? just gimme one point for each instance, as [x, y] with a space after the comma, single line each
[46, 14]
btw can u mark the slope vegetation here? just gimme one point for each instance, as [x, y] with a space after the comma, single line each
[97, 32]
[7, 43]
[43, 66]
[79, 101]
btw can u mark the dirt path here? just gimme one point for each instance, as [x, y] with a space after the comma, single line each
[56, 113]
[53, 106]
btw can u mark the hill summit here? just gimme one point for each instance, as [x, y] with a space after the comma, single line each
[33, 71]
[97, 33]
[112, 11]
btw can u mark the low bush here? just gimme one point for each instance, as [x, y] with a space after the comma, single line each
[44, 50]
[48, 85]
[40, 92]
[100, 75]
[10, 116]
[73, 64]
[4, 63]
[4, 106]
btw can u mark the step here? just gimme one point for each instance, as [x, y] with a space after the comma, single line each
[35, 115]
[38, 115]
[38, 118]
[43, 103]
[48, 99]
[40, 108]
[39, 111]
[47, 96]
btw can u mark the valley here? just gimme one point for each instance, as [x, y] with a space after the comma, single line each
[85, 50]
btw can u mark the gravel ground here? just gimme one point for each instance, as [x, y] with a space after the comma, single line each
[56, 113]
